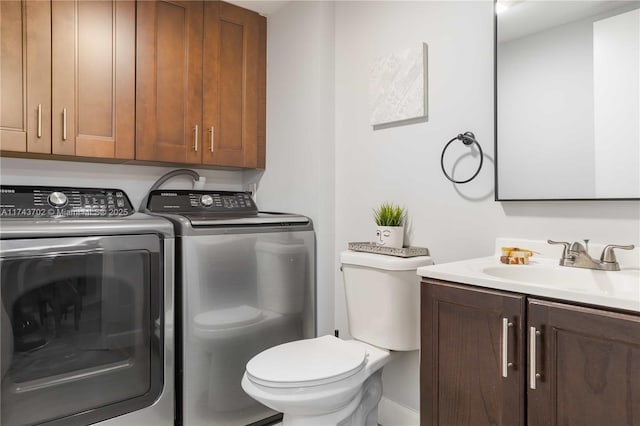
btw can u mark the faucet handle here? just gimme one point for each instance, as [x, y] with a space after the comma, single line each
[609, 256]
[566, 247]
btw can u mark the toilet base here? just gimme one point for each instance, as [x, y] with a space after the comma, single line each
[362, 410]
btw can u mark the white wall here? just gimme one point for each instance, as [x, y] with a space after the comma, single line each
[402, 164]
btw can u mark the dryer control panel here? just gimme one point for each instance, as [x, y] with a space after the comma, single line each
[59, 202]
[201, 201]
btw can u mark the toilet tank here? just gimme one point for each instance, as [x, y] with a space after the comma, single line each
[383, 298]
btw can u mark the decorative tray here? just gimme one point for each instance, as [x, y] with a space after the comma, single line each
[391, 251]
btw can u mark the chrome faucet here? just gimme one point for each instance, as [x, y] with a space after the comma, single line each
[576, 255]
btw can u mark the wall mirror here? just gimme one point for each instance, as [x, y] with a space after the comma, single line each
[567, 100]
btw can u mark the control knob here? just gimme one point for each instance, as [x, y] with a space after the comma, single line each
[57, 199]
[206, 200]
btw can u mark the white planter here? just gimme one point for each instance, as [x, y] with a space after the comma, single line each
[390, 236]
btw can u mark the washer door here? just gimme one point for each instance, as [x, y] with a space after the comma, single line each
[82, 315]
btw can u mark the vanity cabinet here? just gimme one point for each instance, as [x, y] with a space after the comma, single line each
[68, 78]
[491, 357]
[201, 83]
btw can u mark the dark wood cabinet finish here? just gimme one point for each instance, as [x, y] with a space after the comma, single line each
[93, 75]
[461, 356]
[25, 76]
[587, 360]
[200, 83]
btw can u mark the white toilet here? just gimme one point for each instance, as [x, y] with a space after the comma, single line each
[329, 381]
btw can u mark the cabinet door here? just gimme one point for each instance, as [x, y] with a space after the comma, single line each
[93, 73]
[25, 76]
[169, 81]
[234, 85]
[462, 355]
[589, 365]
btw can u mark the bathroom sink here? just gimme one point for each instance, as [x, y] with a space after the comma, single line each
[566, 278]
[544, 277]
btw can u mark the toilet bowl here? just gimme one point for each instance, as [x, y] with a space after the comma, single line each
[318, 381]
[329, 381]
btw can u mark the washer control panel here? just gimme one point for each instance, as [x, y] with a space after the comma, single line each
[196, 201]
[45, 201]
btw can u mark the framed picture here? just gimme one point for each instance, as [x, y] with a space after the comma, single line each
[398, 88]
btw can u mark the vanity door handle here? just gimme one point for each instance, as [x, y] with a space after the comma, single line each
[505, 347]
[211, 139]
[533, 374]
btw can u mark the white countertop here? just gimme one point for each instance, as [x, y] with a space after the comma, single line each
[544, 277]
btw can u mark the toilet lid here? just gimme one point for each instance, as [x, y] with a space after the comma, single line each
[236, 316]
[308, 362]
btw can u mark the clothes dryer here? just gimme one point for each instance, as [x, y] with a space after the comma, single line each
[87, 302]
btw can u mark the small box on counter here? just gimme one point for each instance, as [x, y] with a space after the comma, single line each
[515, 256]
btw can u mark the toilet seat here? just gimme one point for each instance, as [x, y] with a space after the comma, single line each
[221, 319]
[305, 363]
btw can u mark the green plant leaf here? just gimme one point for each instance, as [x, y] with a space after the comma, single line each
[388, 214]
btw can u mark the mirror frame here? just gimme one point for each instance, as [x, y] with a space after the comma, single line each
[495, 131]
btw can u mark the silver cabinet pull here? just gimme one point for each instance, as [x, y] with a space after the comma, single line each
[505, 347]
[64, 124]
[39, 121]
[211, 139]
[195, 139]
[533, 375]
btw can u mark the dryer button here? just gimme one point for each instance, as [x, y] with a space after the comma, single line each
[57, 199]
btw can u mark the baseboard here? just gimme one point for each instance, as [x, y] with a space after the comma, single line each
[390, 413]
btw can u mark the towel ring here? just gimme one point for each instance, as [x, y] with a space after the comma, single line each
[467, 138]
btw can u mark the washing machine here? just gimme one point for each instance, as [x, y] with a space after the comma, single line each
[245, 282]
[86, 297]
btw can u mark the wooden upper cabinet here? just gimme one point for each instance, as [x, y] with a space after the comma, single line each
[25, 76]
[93, 74]
[169, 81]
[234, 85]
[201, 83]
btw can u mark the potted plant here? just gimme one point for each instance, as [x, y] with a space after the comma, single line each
[390, 220]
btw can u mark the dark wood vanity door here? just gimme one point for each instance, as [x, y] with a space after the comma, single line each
[589, 365]
[461, 380]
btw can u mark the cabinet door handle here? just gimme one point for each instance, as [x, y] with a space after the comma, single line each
[533, 375]
[39, 121]
[505, 347]
[195, 139]
[211, 139]
[64, 124]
